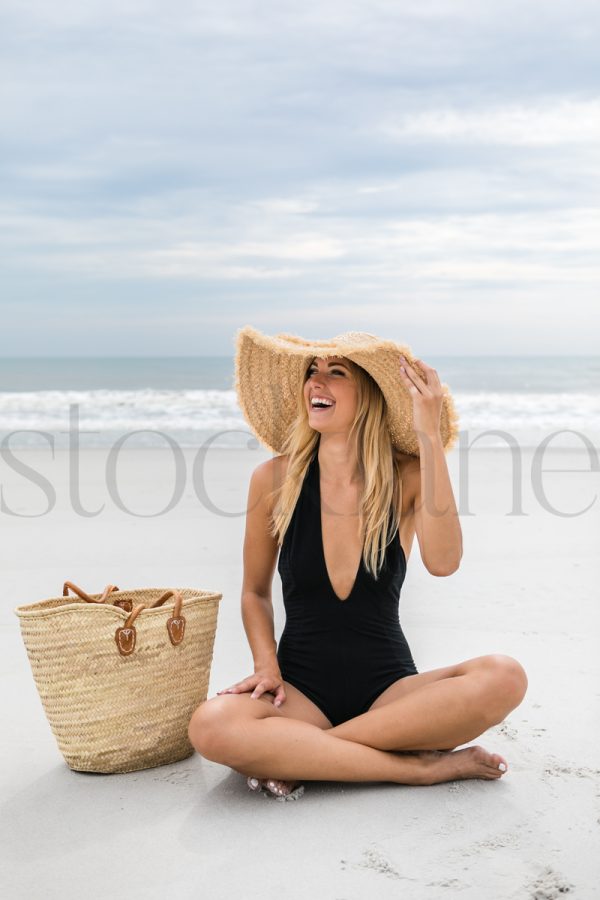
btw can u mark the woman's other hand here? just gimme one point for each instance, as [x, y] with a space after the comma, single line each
[427, 396]
[262, 681]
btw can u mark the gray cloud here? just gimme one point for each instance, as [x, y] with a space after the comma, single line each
[304, 167]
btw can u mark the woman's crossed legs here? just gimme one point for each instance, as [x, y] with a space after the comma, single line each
[406, 735]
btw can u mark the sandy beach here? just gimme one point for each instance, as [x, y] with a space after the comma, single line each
[527, 587]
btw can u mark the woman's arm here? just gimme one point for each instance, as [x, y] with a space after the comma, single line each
[436, 519]
[260, 556]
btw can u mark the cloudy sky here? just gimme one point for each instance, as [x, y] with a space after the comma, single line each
[428, 171]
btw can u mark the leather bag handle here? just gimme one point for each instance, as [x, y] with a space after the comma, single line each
[176, 624]
[68, 585]
[125, 636]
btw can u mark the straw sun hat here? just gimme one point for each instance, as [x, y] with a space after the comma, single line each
[269, 371]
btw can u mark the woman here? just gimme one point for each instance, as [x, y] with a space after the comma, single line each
[361, 429]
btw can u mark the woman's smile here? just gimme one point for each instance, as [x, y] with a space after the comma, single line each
[321, 404]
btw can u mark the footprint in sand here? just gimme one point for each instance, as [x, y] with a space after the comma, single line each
[549, 885]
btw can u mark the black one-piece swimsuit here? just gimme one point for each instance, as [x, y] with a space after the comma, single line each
[340, 653]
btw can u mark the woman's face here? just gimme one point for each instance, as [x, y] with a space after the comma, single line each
[330, 380]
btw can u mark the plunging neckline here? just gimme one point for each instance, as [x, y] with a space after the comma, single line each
[322, 545]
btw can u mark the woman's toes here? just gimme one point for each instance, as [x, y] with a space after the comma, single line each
[498, 762]
[274, 786]
[279, 787]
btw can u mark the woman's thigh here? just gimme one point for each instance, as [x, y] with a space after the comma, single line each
[298, 706]
[409, 683]
[241, 705]
[216, 724]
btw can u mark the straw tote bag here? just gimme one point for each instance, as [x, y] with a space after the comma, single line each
[120, 673]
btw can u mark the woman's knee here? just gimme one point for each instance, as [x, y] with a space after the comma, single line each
[209, 727]
[507, 681]
[217, 725]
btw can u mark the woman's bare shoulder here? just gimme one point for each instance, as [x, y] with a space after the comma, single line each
[275, 467]
[269, 475]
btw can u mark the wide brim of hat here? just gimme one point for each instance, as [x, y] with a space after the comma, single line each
[270, 369]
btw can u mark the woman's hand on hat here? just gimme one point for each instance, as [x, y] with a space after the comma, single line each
[261, 682]
[427, 396]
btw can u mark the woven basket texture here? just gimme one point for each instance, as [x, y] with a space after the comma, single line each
[112, 713]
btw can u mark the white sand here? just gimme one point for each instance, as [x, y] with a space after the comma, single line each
[527, 586]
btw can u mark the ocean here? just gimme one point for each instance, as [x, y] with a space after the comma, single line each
[142, 401]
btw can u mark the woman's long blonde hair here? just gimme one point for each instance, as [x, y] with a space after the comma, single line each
[378, 463]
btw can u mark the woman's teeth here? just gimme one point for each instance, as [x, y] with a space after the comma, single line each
[321, 404]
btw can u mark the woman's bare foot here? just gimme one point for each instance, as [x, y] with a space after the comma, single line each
[450, 765]
[273, 785]
[435, 766]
